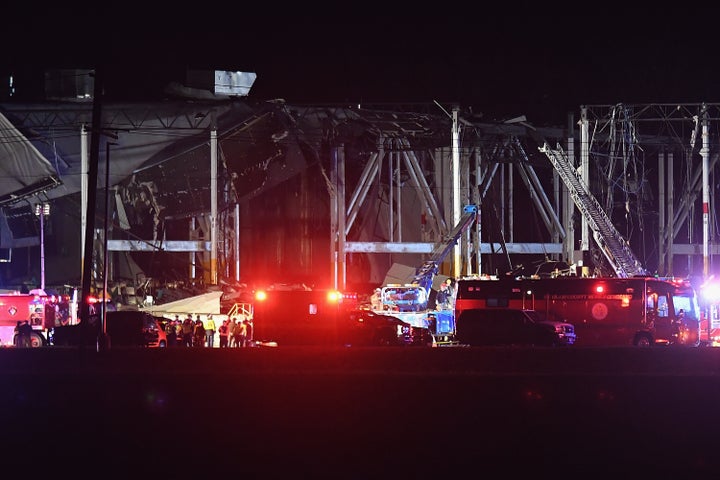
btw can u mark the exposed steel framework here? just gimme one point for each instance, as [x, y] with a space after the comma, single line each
[418, 166]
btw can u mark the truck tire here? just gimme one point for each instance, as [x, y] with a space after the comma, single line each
[37, 340]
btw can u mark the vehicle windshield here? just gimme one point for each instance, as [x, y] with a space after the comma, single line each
[688, 302]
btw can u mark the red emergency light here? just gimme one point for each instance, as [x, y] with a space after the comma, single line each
[261, 295]
[352, 296]
[599, 289]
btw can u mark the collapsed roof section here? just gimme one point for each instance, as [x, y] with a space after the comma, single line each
[262, 146]
[24, 171]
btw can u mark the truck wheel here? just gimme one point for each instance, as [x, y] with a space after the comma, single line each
[36, 340]
[643, 340]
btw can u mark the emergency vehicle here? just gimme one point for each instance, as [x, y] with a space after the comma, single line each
[295, 314]
[606, 311]
[43, 312]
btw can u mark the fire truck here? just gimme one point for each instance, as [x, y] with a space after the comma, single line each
[296, 314]
[606, 311]
[42, 311]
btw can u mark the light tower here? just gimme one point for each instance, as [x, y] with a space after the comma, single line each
[42, 210]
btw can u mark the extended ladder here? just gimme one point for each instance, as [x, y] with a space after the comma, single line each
[425, 273]
[611, 243]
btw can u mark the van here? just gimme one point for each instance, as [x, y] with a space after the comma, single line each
[491, 327]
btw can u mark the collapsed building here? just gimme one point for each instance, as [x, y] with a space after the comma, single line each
[210, 185]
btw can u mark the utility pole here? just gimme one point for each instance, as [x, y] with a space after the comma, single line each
[457, 254]
[87, 323]
[705, 154]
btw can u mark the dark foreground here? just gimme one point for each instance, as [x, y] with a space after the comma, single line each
[360, 413]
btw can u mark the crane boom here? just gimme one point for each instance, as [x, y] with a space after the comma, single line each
[427, 271]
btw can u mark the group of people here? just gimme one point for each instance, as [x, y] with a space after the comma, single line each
[187, 332]
[235, 333]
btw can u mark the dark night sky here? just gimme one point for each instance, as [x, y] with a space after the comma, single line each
[500, 59]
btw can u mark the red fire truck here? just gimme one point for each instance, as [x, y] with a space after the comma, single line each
[606, 311]
[294, 314]
[40, 310]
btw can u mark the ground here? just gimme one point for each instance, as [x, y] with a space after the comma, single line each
[361, 413]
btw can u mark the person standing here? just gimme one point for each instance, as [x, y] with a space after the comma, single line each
[442, 300]
[239, 333]
[451, 289]
[248, 332]
[170, 332]
[210, 332]
[26, 334]
[18, 334]
[187, 331]
[179, 332]
[231, 332]
[376, 299]
[199, 333]
[223, 333]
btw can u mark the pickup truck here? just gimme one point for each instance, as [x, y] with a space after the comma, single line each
[490, 327]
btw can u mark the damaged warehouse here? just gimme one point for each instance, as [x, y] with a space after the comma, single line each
[272, 188]
[217, 189]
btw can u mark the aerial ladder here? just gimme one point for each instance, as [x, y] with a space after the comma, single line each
[409, 302]
[426, 272]
[614, 247]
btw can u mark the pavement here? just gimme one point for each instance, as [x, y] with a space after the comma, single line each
[317, 412]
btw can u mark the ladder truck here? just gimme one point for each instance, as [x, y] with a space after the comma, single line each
[410, 302]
